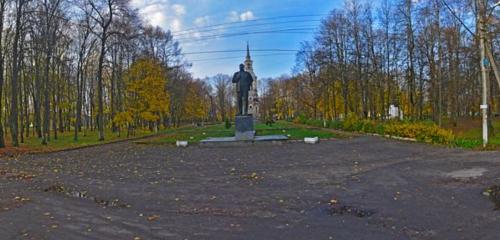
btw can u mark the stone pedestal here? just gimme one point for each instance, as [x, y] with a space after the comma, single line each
[244, 128]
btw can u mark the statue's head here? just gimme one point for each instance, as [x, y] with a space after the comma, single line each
[242, 67]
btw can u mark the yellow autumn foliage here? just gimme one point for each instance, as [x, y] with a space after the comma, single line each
[147, 96]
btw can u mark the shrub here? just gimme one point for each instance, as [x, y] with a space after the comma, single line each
[301, 119]
[380, 129]
[336, 124]
[351, 123]
[368, 126]
[423, 132]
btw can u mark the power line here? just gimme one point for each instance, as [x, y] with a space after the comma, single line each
[281, 31]
[456, 17]
[297, 28]
[245, 26]
[236, 50]
[227, 58]
[249, 21]
[221, 37]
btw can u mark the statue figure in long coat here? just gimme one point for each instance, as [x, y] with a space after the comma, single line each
[243, 82]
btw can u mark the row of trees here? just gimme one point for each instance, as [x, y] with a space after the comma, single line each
[89, 65]
[93, 65]
[422, 56]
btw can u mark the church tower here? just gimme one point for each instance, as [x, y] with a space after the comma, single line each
[253, 97]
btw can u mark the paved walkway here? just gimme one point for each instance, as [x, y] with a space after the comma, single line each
[359, 188]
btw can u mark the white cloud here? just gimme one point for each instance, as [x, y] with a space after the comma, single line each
[233, 16]
[179, 9]
[161, 13]
[176, 24]
[247, 16]
[241, 17]
[137, 3]
[202, 21]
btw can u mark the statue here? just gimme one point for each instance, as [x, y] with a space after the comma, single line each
[243, 82]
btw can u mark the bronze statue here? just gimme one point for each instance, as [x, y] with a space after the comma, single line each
[243, 82]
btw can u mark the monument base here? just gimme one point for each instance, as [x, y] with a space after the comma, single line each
[244, 134]
[244, 128]
[231, 141]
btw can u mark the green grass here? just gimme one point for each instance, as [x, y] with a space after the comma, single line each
[169, 136]
[473, 138]
[66, 141]
[196, 134]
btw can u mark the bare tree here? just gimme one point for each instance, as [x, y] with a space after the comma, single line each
[2, 60]
[223, 94]
[50, 10]
[15, 72]
[104, 11]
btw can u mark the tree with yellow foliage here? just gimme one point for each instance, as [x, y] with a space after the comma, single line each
[123, 119]
[196, 107]
[147, 98]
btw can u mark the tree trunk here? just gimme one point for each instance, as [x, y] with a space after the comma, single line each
[100, 96]
[15, 75]
[2, 59]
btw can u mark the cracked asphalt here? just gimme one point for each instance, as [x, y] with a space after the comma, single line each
[261, 191]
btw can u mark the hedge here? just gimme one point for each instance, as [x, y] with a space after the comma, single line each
[421, 131]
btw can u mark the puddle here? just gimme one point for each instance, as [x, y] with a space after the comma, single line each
[335, 209]
[467, 173]
[493, 193]
[83, 194]
[462, 182]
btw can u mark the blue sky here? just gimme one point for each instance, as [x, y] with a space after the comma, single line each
[189, 20]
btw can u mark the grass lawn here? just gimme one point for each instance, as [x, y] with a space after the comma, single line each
[65, 141]
[476, 134]
[196, 134]
[469, 132]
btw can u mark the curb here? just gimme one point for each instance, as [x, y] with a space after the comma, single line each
[393, 137]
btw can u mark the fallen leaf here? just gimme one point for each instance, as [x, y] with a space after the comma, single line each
[153, 218]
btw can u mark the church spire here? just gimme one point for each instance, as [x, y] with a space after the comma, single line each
[248, 51]
[248, 60]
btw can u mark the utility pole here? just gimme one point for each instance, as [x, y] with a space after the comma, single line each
[485, 54]
[484, 71]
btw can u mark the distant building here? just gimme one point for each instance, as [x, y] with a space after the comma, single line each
[395, 112]
[253, 97]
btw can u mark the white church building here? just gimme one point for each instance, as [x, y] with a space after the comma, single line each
[253, 97]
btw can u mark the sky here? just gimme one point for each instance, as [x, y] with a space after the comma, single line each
[204, 25]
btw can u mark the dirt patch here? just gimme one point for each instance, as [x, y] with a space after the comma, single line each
[10, 151]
